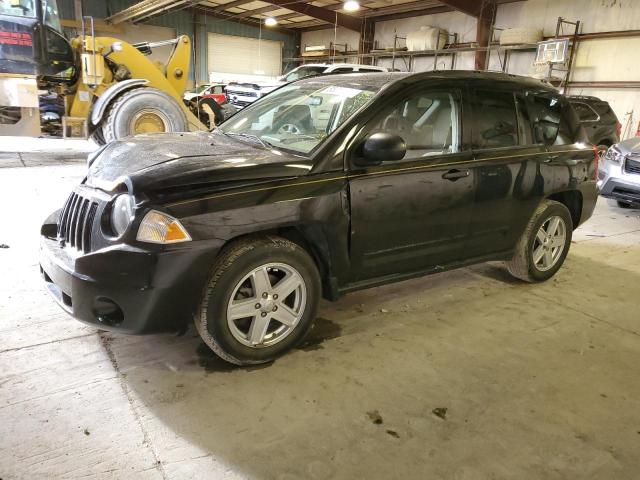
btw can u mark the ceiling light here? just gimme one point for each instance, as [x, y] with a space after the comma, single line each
[270, 21]
[351, 6]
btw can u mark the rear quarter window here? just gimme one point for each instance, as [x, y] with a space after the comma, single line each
[555, 122]
[585, 112]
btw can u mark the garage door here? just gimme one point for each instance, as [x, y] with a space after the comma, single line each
[239, 55]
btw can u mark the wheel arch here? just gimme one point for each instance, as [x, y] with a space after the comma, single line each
[307, 238]
[572, 199]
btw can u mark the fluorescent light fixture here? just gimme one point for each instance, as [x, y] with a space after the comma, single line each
[270, 22]
[351, 6]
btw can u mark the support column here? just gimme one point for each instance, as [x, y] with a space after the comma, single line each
[201, 48]
[486, 20]
[366, 40]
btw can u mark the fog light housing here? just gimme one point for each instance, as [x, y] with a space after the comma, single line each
[107, 312]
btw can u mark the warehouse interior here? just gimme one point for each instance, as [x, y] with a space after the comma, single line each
[465, 374]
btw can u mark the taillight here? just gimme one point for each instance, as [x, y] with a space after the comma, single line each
[596, 154]
[619, 129]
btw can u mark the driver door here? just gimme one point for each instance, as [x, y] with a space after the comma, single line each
[413, 215]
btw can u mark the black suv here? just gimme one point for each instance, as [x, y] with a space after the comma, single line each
[325, 186]
[598, 119]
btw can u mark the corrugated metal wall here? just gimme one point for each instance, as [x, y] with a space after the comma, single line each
[187, 23]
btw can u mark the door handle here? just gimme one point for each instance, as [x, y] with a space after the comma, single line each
[455, 174]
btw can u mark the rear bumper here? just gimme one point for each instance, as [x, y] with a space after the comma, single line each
[128, 289]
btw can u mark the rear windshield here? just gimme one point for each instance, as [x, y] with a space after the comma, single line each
[303, 72]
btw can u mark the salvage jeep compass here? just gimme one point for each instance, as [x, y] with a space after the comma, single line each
[325, 186]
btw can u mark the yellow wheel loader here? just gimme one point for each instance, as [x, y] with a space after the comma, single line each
[110, 87]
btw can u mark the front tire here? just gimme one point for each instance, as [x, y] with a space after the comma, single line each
[544, 244]
[260, 300]
[143, 110]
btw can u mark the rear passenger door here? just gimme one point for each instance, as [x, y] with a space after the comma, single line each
[507, 169]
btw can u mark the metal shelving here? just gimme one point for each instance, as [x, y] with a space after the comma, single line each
[451, 49]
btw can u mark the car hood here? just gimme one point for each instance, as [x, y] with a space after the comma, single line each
[166, 161]
[631, 145]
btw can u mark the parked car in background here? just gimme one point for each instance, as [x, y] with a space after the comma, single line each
[217, 91]
[210, 104]
[194, 92]
[328, 185]
[598, 119]
[619, 176]
[243, 94]
[314, 69]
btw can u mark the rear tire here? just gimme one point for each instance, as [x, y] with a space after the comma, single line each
[624, 205]
[143, 110]
[544, 244]
[247, 316]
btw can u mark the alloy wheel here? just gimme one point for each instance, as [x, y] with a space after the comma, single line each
[266, 305]
[549, 243]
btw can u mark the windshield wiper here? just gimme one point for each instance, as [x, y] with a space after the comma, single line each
[264, 143]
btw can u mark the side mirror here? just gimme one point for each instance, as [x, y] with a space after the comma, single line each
[383, 147]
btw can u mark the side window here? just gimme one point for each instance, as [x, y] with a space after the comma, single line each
[51, 16]
[217, 89]
[554, 121]
[496, 124]
[428, 122]
[342, 70]
[585, 112]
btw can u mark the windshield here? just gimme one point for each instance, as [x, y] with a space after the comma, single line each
[302, 72]
[19, 8]
[27, 8]
[299, 117]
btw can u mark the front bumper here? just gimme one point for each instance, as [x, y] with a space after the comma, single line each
[615, 183]
[128, 289]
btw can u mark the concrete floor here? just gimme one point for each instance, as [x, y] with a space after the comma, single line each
[538, 381]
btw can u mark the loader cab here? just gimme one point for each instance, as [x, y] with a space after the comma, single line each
[32, 42]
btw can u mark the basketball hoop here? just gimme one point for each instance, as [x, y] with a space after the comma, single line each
[552, 52]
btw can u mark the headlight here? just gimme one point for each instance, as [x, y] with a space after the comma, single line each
[121, 213]
[614, 155]
[158, 227]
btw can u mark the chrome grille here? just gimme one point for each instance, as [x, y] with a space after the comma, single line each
[632, 166]
[240, 103]
[242, 94]
[76, 222]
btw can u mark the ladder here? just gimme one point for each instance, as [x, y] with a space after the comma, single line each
[563, 84]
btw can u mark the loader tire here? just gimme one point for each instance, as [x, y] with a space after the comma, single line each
[143, 110]
[98, 137]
